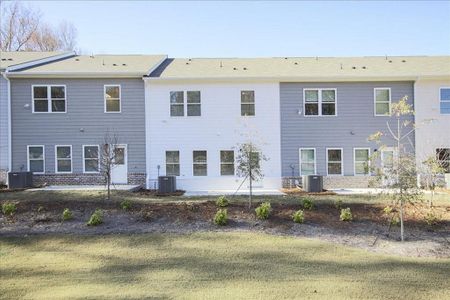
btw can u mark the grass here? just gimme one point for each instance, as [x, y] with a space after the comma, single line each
[210, 265]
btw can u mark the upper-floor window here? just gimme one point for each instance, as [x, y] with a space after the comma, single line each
[444, 97]
[49, 98]
[36, 159]
[112, 99]
[334, 161]
[382, 100]
[177, 104]
[319, 102]
[443, 157]
[247, 103]
[173, 163]
[200, 165]
[63, 157]
[226, 162]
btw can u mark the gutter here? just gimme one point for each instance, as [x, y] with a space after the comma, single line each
[9, 125]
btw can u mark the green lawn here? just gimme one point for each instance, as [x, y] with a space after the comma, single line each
[217, 265]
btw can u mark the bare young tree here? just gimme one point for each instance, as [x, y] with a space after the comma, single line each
[108, 158]
[433, 171]
[23, 29]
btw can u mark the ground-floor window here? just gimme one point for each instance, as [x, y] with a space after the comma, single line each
[36, 159]
[443, 157]
[307, 157]
[361, 161]
[91, 159]
[334, 161]
[63, 157]
[173, 163]
[226, 162]
[200, 164]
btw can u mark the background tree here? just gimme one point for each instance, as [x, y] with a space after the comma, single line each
[248, 163]
[107, 158]
[23, 29]
[433, 171]
[401, 176]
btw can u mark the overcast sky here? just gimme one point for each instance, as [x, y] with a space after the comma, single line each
[246, 29]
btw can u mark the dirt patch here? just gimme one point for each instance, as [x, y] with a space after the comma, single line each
[156, 193]
[368, 230]
[300, 192]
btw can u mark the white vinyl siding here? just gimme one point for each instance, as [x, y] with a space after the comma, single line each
[307, 161]
[48, 98]
[361, 161]
[172, 163]
[36, 159]
[113, 102]
[63, 159]
[335, 161]
[320, 102]
[91, 158]
[382, 101]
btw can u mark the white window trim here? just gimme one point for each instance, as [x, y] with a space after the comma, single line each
[49, 99]
[253, 103]
[375, 101]
[120, 98]
[440, 100]
[234, 163]
[342, 161]
[319, 103]
[354, 161]
[28, 158]
[98, 164]
[300, 160]
[165, 161]
[56, 159]
[194, 163]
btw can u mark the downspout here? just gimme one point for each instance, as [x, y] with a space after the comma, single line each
[147, 157]
[9, 125]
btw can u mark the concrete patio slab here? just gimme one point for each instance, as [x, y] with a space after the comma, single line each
[257, 192]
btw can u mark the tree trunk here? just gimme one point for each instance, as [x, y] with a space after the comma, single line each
[401, 220]
[109, 187]
[250, 196]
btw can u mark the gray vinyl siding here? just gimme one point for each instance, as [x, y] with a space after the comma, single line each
[85, 122]
[354, 122]
[3, 123]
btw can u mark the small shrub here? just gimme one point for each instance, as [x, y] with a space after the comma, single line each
[146, 214]
[339, 204]
[221, 217]
[263, 211]
[125, 204]
[40, 208]
[387, 210]
[431, 218]
[395, 220]
[298, 216]
[9, 208]
[307, 203]
[222, 201]
[346, 214]
[96, 218]
[67, 215]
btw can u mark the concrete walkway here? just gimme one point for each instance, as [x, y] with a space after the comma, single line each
[118, 187]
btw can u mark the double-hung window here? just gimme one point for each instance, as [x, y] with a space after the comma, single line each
[63, 159]
[36, 159]
[334, 161]
[382, 99]
[226, 162]
[173, 163]
[444, 99]
[247, 103]
[361, 161]
[194, 107]
[200, 164]
[49, 98]
[91, 155]
[319, 102]
[443, 157]
[112, 99]
[307, 157]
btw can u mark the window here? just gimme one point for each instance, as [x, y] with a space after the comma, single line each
[63, 157]
[382, 101]
[112, 99]
[91, 159]
[334, 161]
[319, 102]
[193, 103]
[361, 161]
[443, 157]
[226, 162]
[200, 163]
[247, 103]
[173, 163]
[36, 159]
[307, 161]
[444, 97]
[387, 159]
[176, 104]
[49, 98]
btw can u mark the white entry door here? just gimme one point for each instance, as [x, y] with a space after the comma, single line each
[119, 172]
